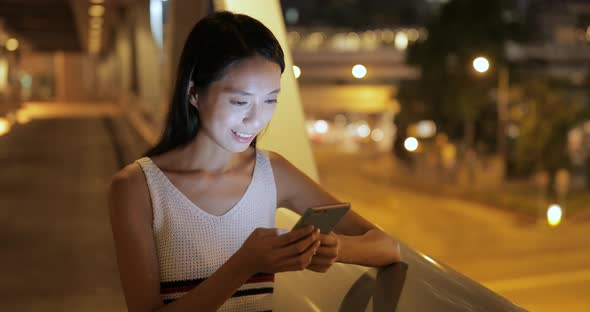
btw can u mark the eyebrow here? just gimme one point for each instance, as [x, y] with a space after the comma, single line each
[242, 92]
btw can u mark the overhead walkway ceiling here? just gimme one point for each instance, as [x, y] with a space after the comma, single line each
[55, 25]
[48, 25]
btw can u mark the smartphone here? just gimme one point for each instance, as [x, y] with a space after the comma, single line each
[323, 217]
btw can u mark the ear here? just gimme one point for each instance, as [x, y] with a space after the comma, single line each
[193, 97]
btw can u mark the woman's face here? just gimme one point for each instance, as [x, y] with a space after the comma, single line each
[237, 107]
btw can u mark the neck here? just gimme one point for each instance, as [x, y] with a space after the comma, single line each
[203, 154]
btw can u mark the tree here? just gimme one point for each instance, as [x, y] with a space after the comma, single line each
[451, 92]
[549, 114]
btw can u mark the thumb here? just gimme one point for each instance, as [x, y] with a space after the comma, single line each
[281, 231]
[267, 231]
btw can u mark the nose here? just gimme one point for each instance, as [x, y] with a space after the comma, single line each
[253, 117]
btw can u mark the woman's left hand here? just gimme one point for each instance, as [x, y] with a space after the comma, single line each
[326, 254]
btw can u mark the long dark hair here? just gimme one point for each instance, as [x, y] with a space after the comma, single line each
[215, 42]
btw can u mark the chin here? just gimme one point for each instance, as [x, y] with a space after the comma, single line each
[237, 148]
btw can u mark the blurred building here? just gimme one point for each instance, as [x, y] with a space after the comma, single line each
[350, 57]
[358, 14]
[559, 48]
[559, 40]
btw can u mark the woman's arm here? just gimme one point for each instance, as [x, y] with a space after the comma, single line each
[374, 248]
[357, 240]
[131, 222]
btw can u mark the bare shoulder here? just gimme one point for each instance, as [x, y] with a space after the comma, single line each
[130, 174]
[295, 190]
[129, 190]
[280, 164]
[285, 172]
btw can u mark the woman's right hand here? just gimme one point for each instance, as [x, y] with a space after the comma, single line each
[266, 251]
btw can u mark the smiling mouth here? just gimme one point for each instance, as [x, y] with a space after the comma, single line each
[242, 134]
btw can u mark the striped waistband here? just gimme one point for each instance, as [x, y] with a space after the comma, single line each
[260, 283]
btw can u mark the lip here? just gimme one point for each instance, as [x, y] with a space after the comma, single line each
[240, 139]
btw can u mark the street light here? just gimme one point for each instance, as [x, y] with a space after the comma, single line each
[401, 41]
[481, 64]
[411, 144]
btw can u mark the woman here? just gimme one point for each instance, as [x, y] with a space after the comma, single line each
[193, 221]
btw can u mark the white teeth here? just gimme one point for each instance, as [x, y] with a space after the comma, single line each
[242, 135]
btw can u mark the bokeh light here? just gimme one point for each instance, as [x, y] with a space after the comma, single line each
[554, 214]
[481, 64]
[411, 144]
[296, 71]
[359, 71]
[321, 126]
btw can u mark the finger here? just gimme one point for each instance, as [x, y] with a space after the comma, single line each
[308, 254]
[328, 239]
[267, 231]
[326, 252]
[299, 247]
[321, 262]
[282, 231]
[293, 236]
[300, 262]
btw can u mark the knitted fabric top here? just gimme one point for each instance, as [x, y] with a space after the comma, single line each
[192, 244]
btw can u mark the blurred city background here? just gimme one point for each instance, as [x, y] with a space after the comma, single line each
[460, 126]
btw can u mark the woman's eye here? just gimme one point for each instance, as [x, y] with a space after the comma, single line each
[238, 102]
[271, 101]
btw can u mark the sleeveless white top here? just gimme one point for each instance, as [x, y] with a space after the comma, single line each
[192, 244]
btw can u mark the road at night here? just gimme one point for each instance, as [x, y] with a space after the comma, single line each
[538, 267]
